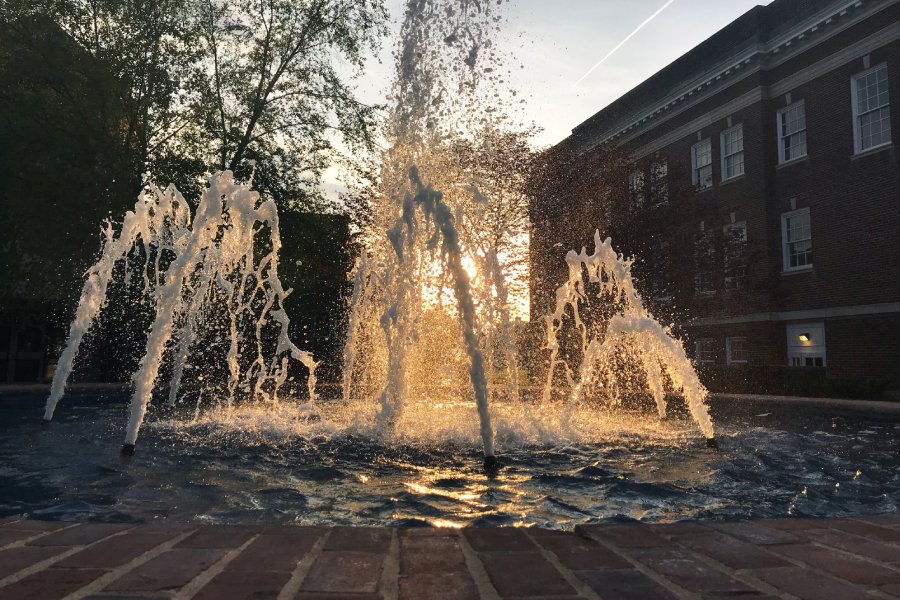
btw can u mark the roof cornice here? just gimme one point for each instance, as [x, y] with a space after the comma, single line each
[807, 34]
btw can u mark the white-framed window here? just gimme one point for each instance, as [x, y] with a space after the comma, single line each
[792, 132]
[735, 256]
[733, 152]
[636, 189]
[705, 351]
[806, 345]
[871, 109]
[736, 350]
[796, 236]
[701, 164]
[659, 182]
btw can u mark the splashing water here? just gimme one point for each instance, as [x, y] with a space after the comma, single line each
[629, 329]
[431, 352]
[212, 263]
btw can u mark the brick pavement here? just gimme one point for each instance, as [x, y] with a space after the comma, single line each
[809, 559]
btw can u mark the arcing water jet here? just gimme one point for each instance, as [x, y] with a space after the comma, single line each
[212, 262]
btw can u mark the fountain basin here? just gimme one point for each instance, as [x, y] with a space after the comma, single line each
[776, 459]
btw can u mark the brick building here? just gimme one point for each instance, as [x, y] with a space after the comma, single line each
[763, 204]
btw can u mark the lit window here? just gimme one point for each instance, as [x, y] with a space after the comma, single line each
[636, 189]
[704, 351]
[806, 345]
[792, 132]
[659, 182]
[701, 162]
[736, 350]
[871, 109]
[796, 235]
[735, 255]
[733, 152]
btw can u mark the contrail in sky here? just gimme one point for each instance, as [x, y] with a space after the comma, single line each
[623, 42]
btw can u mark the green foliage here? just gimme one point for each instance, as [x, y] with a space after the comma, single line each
[205, 85]
[65, 166]
[271, 92]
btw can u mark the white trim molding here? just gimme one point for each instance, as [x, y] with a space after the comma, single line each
[819, 28]
[837, 312]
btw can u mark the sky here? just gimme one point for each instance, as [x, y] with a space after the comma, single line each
[558, 41]
[555, 47]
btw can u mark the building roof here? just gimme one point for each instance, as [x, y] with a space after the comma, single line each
[756, 31]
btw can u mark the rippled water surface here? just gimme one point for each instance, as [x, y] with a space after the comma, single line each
[775, 460]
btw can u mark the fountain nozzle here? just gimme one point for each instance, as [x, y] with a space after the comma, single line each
[128, 450]
[712, 443]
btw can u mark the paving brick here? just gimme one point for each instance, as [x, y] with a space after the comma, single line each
[755, 533]
[428, 532]
[81, 535]
[507, 539]
[330, 596]
[430, 555]
[579, 553]
[873, 549]
[688, 572]
[243, 585]
[810, 585]
[887, 520]
[524, 574]
[9, 536]
[626, 536]
[173, 529]
[226, 537]
[13, 560]
[538, 532]
[119, 597]
[678, 529]
[359, 539]
[50, 583]
[28, 525]
[455, 585]
[344, 572]
[114, 552]
[839, 564]
[740, 596]
[272, 552]
[869, 530]
[296, 531]
[624, 584]
[791, 524]
[170, 570]
[732, 552]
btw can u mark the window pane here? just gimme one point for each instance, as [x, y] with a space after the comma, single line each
[873, 109]
[798, 246]
[792, 124]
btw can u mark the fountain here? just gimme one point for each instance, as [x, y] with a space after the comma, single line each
[628, 327]
[430, 328]
[190, 268]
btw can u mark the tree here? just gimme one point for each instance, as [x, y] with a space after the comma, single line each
[271, 93]
[221, 84]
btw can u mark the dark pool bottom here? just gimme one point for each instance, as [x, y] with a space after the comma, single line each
[775, 460]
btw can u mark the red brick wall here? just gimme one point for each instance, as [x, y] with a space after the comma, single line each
[854, 204]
